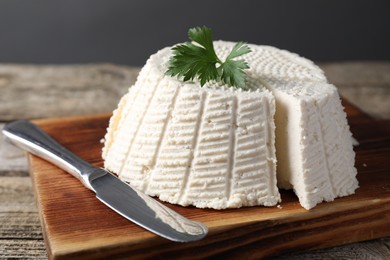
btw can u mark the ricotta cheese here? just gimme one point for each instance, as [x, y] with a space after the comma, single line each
[215, 146]
[313, 142]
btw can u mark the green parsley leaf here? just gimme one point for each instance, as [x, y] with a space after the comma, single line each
[232, 72]
[197, 60]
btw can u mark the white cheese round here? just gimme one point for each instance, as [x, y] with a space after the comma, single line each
[215, 146]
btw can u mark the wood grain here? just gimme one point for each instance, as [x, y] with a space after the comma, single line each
[77, 225]
[60, 87]
[45, 91]
[32, 91]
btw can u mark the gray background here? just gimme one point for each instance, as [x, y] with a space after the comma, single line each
[127, 32]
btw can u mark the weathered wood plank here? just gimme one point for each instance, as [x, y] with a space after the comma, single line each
[20, 230]
[375, 249]
[365, 84]
[13, 161]
[357, 73]
[22, 249]
[29, 91]
[16, 195]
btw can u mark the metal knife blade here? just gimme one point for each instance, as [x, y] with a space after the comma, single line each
[119, 196]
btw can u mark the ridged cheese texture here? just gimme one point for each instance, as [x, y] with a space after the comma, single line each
[215, 146]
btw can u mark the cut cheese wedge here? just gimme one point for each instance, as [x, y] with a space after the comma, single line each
[313, 142]
[214, 146]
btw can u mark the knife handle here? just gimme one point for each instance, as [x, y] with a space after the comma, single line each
[33, 139]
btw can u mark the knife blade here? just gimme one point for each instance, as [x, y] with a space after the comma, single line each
[117, 195]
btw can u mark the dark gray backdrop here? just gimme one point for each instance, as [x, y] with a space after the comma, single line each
[127, 32]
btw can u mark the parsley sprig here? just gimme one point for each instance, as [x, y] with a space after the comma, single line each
[197, 60]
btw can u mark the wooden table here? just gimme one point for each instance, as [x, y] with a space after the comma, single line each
[28, 91]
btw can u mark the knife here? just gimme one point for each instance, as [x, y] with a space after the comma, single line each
[117, 195]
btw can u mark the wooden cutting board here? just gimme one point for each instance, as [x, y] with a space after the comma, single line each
[76, 225]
